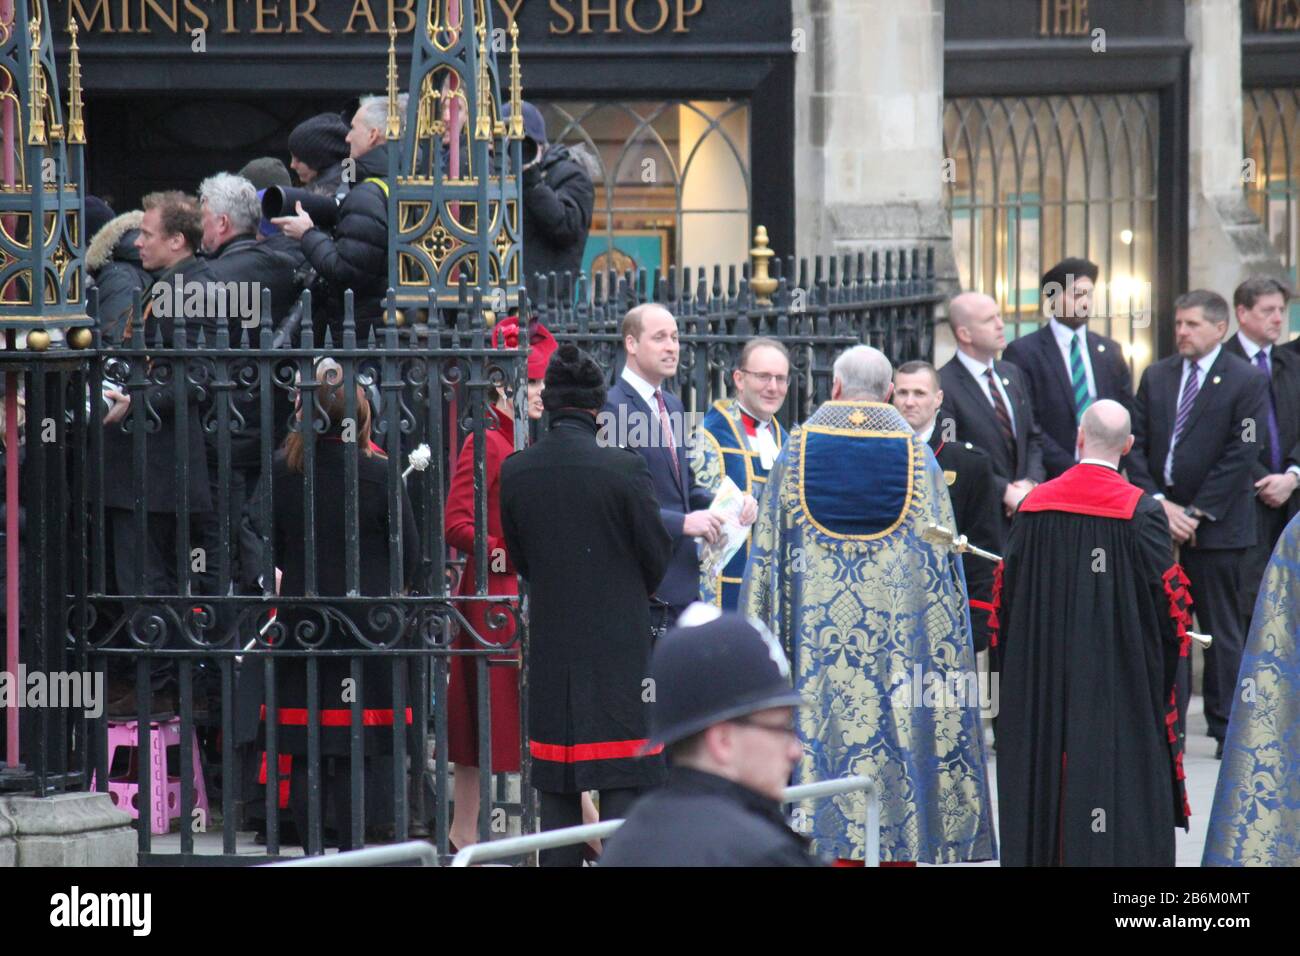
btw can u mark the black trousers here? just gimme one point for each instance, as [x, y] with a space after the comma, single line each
[1269, 525]
[1216, 578]
[560, 810]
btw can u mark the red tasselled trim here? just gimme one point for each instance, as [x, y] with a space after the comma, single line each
[995, 607]
[1175, 750]
[1178, 590]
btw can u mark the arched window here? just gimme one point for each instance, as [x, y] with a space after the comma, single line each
[672, 179]
[1034, 179]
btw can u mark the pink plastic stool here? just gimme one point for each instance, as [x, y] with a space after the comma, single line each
[165, 791]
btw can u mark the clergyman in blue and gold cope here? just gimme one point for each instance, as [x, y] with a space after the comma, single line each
[876, 624]
[1255, 820]
[739, 438]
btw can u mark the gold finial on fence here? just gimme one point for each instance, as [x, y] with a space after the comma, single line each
[76, 125]
[483, 122]
[393, 130]
[516, 87]
[760, 282]
[36, 128]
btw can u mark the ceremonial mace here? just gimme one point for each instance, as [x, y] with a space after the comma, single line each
[942, 537]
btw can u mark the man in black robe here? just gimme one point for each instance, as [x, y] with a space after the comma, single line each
[1091, 612]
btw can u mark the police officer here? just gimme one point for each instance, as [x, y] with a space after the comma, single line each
[725, 713]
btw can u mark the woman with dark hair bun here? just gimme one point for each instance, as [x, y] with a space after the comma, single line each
[336, 626]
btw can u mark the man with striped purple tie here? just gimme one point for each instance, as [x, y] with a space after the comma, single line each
[1200, 426]
[1067, 365]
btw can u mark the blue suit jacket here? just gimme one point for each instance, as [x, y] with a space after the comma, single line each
[1052, 395]
[631, 423]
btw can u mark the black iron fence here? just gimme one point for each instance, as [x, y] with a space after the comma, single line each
[264, 582]
[816, 308]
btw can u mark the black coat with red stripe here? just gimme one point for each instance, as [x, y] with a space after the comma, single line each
[339, 624]
[582, 526]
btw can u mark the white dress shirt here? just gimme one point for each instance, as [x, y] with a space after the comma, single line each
[642, 388]
[977, 371]
[925, 433]
[1202, 367]
[764, 440]
[1064, 334]
[1251, 350]
[1099, 461]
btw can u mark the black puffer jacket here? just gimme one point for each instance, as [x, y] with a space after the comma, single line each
[355, 256]
[558, 201]
[114, 266]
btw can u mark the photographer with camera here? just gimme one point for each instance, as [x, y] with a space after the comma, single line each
[317, 149]
[350, 252]
[558, 202]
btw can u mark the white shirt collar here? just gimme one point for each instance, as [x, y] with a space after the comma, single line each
[925, 433]
[1098, 461]
[1207, 360]
[642, 387]
[1251, 348]
[1064, 333]
[973, 365]
[761, 423]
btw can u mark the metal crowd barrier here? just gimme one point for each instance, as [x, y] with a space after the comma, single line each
[423, 853]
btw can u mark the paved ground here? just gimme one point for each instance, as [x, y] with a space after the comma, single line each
[1199, 763]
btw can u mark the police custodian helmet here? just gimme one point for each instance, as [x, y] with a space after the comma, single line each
[717, 670]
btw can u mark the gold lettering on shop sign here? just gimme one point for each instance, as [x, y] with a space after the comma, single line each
[203, 22]
[266, 9]
[683, 13]
[295, 13]
[87, 22]
[146, 5]
[1277, 15]
[629, 14]
[510, 10]
[1069, 18]
[357, 7]
[556, 8]
[586, 17]
[610, 13]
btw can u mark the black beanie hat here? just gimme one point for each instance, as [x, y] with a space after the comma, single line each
[98, 214]
[265, 172]
[573, 380]
[321, 141]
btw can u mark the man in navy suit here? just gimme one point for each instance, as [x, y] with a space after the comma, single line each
[1069, 367]
[1201, 423]
[1260, 304]
[986, 401]
[641, 414]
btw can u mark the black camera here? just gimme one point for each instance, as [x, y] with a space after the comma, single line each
[530, 150]
[279, 201]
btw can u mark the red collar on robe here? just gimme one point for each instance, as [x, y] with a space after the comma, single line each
[1086, 490]
[749, 421]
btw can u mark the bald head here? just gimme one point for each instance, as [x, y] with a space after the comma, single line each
[1105, 432]
[976, 324]
[862, 374]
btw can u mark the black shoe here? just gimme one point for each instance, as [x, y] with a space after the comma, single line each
[1218, 751]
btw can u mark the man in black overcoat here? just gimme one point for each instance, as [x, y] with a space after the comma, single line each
[1201, 421]
[582, 526]
[1260, 303]
[1068, 366]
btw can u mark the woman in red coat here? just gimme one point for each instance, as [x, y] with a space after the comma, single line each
[503, 679]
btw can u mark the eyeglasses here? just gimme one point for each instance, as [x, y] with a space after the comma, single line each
[767, 378]
[785, 730]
